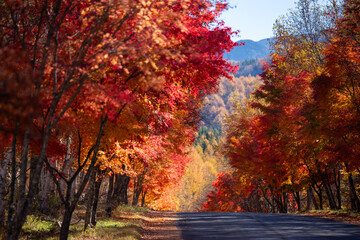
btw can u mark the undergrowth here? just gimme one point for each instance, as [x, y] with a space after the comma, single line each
[116, 227]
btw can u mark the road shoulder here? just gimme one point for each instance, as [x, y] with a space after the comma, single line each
[161, 225]
[350, 217]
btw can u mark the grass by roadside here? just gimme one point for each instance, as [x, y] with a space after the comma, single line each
[126, 223]
[347, 216]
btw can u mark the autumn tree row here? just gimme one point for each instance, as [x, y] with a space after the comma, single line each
[96, 92]
[296, 142]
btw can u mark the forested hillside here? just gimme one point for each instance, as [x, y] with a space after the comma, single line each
[249, 50]
[207, 160]
[252, 67]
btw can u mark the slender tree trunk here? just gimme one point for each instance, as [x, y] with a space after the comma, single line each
[355, 202]
[143, 195]
[89, 198]
[44, 207]
[23, 170]
[34, 178]
[324, 176]
[298, 200]
[11, 211]
[35, 171]
[271, 203]
[96, 201]
[138, 183]
[92, 199]
[321, 199]
[109, 196]
[3, 172]
[338, 186]
[281, 202]
[319, 194]
[285, 202]
[74, 184]
[327, 186]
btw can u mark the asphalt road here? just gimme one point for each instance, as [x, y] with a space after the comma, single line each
[262, 226]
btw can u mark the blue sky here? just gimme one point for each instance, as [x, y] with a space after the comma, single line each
[255, 18]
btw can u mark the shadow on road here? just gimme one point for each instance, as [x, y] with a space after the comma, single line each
[262, 226]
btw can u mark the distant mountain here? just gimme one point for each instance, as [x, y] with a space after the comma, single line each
[251, 50]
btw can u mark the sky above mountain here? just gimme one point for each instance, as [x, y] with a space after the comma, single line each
[255, 18]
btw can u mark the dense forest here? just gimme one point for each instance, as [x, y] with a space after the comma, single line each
[294, 144]
[99, 103]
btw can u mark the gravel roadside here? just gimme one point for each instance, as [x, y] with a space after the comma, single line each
[161, 225]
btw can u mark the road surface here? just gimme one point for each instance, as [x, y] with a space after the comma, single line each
[262, 226]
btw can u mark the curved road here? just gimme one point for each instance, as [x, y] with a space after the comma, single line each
[262, 226]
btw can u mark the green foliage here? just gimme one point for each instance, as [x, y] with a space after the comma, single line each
[37, 228]
[122, 208]
[34, 223]
[107, 229]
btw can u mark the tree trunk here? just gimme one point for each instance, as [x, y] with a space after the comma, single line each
[138, 183]
[116, 193]
[96, 201]
[281, 202]
[11, 212]
[285, 202]
[35, 176]
[143, 195]
[92, 199]
[337, 181]
[65, 225]
[321, 199]
[327, 186]
[44, 207]
[298, 200]
[120, 190]
[355, 202]
[271, 203]
[338, 186]
[319, 194]
[308, 200]
[89, 198]
[123, 190]
[71, 201]
[23, 170]
[22, 210]
[325, 180]
[3, 172]
[109, 201]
